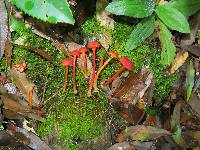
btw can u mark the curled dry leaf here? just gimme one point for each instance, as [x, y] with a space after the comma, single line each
[27, 138]
[16, 108]
[141, 133]
[134, 88]
[24, 85]
[179, 61]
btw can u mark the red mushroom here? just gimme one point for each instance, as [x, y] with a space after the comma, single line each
[127, 64]
[83, 51]
[75, 53]
[67, 62]
[112, 55]
[93, 46]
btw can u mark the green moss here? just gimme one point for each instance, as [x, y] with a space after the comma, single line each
[74, 117]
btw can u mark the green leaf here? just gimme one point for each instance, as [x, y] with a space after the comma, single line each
[186, 7]
[142, 31]
[189, 79]
[132, 8]
[52, 11]
[168, 48]
[177, 135]
[173, 18]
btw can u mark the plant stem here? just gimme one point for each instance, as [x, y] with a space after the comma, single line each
[106, 83]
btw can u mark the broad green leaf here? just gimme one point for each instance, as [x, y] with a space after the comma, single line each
[173, 18]
[132, 8]
[52, 11]
[142, 31]
[189, 79]
[168, 48]
[186, 7]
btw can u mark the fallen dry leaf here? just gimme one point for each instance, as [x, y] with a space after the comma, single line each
[175, 118]
[16, 108]
[24, 85]
[193, 49]
[141, 133]
[27, 138]
[134, 88]
[122, 146]
[179, 61]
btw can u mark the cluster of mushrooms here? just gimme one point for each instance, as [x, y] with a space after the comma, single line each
[126, 64]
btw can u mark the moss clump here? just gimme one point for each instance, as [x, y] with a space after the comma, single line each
[74, 117]
[145, 54]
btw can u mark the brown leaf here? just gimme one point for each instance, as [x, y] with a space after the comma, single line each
[27, 138]
[131, 113]
[179, 61]
[8, 52]
[193, 49]
[24, 85]
[6, 139]
[175, 118]
[14, 107]
[134, 88]
[141, 133]
[122, 146]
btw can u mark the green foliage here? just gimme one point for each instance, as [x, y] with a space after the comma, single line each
[173, 18]
[52, 11]
[141, 32]
[168, 48]
[172, 15]
[190, 74]
[177, 135]
[132, 8]
[186, 7]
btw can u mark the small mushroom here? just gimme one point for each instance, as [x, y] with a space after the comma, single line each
[75, 54]
[83, 51]
[127, 64]
[67, 62]
[93, 46]
[112, 55]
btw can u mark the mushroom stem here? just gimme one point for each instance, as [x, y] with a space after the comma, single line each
[94, 64]
[106, 83]
[85, 65]
[66, 79]
[99, 72]
[89, 93]
[74, 74]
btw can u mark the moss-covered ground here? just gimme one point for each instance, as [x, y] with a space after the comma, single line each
[77, 118]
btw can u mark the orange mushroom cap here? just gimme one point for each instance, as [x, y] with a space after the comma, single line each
[75, 52]
[93, 44]
[83, 49]
[67, 61]
[126, 62]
